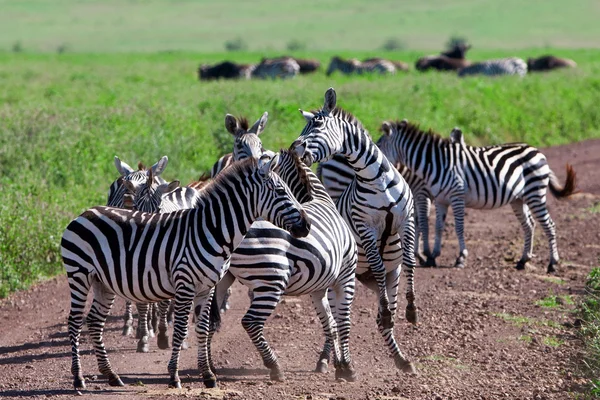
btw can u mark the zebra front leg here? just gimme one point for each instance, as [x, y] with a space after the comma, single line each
[79, 288]
[441, 211]
[523, 214]
[369, 245]
[262, 306]
[458, 208]
[408, 232]
[143, 333]
[128, 318]
[541, 214]
[184, 296]
[423, 206]
[103, 301]
[162, 337]
[202, 304]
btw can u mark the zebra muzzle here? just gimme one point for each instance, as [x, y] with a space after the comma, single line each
[301, 228]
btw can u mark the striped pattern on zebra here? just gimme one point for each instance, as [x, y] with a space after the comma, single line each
[354, 66]
[246, 141]
[151, 257]
[276, 68]
[501, 66]
[272, 263]
[377, 206]
[489, 177]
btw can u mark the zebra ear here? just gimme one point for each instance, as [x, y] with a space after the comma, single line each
[160, 166]
[231, 124]
[122, 167]
[308, 116]
[386, 127]
[330, 100]
[259, 125]
[166, 188]
[267, 164]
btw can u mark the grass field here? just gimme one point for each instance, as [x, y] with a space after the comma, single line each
[201, 25]
[64, 117]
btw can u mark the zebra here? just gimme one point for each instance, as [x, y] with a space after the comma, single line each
[148, 257]
[354, 66]
[271, 263]
[489, 177]
[502, 66]
[377, 206]
[277, 68]
[246, 144]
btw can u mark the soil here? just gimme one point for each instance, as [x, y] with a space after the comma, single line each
[482, 334]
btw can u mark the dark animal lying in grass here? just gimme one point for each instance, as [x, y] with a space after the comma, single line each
[451, 60]
[225, 70]
[548, 62]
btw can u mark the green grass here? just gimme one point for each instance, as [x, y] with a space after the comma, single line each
[521, 320]
[64, 117]
[553, 301]
[200, 25]
[589, 310]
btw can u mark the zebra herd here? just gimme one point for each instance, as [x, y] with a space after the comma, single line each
[266, 220]
[453, 59]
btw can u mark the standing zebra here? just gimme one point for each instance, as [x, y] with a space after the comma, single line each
[276, 68]
[246, 141]
[377, 206]
[272, 263]
[489, 177]
[354, 66]
[151, 257]
[502, 66]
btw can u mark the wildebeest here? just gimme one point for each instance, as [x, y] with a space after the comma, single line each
[225, 70]
[548, 62]
[450, 60]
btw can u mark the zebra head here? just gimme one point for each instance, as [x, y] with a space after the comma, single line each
[386, 142]
[247, 143]
[147, 196]
[117, 189]
[276, 202]
[322, 136]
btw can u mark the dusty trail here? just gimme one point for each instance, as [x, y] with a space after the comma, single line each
[481, 334]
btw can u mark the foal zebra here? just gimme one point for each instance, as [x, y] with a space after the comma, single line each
[151, 257]
[377, 206]
[354, 66]
[481, 177]
[502, 66]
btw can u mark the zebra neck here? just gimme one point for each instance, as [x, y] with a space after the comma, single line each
[365, 158]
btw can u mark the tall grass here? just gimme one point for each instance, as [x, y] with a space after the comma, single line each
[590, 330]
[63, 117]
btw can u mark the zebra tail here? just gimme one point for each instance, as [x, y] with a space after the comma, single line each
[568, 189]
[215, 315]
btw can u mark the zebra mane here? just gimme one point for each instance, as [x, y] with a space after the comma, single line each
[300, 170]
[243, 123]
[345, 116]
[202, 182]
[414, 130]
[141, 167]
[238, 168]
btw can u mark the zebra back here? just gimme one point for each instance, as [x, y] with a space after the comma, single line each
[276, 68]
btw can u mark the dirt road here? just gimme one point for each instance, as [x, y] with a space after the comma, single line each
[483, 334]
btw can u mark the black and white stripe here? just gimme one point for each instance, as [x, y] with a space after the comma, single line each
[148, 257]
[489, 177]
[502, 66]
[276, 68]
[377, 206]
[354, 66]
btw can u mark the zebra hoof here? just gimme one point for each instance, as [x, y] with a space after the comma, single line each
[520, 265]
[114, 380]
[162, 340]
[322, 367]
[210, 381]
[127, 330]
[346, 373]
[460, 263]
[277, 375]
[174, 384]
[142, 347]
[406, 366]
[412, 314]
[551, 269]
[151, 333]
[430, 262]
[79, 383]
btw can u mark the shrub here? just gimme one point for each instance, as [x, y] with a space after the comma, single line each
[237, 44]
[295, 45]
[17, 47]
[393, 44]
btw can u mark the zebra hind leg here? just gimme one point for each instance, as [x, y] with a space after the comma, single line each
[343, 294]
[128, 319]
[103, 301]
[79, 290]
[541, 214]
[203, 303]
[523, 214]
[162, 336]
[184, 297]
[142, 330]
[262, 306]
